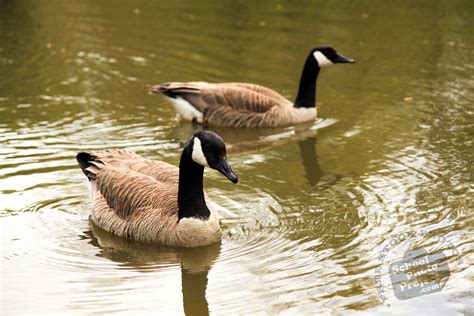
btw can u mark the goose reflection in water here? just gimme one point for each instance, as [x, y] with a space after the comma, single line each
[195, 263]
[313, 172]
[257, 140]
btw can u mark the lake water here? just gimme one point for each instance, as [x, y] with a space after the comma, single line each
[321, 211]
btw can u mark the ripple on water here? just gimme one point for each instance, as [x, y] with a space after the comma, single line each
[301, 232]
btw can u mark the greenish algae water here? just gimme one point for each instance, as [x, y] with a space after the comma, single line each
[320, 211]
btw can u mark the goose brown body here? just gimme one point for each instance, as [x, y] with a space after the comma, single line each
[237, 104]
[136, 198]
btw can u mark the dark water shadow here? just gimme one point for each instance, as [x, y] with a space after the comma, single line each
[309, 158]
[195, 263]
[314, 174]
[252, 140]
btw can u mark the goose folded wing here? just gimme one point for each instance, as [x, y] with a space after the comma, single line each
[127, 191]
[263, 90]
[238, 98]
[158, 170]
[230, 117]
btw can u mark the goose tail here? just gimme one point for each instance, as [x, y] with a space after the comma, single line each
[89, 164]
[174, 89]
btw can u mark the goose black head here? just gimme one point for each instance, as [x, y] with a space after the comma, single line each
[209, 151]
[326, 56]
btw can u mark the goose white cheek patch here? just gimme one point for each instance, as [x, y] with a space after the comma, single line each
[321, 59]
[198, 155]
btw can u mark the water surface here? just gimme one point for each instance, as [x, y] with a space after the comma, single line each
[320, 210]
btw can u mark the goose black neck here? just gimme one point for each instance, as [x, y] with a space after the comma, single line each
[191, 201]
[306, 97]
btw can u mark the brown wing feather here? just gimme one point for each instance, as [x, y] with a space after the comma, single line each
[233, 104]
[240, 96]
[127, 191]
[158, 170]
[262, 90]
[230, 117]
[145, 224]
[129, 182]
[135, 197]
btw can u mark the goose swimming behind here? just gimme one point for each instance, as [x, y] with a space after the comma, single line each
[250, 105]
[153, 201]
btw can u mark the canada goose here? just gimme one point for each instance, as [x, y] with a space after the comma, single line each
[153, 201]
[250, 105]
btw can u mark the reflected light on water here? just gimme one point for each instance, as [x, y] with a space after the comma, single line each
[316, 205]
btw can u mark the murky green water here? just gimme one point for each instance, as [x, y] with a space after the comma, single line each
[320, 211]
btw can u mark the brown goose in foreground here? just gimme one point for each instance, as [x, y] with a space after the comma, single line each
[145, 200]
[250, 105]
